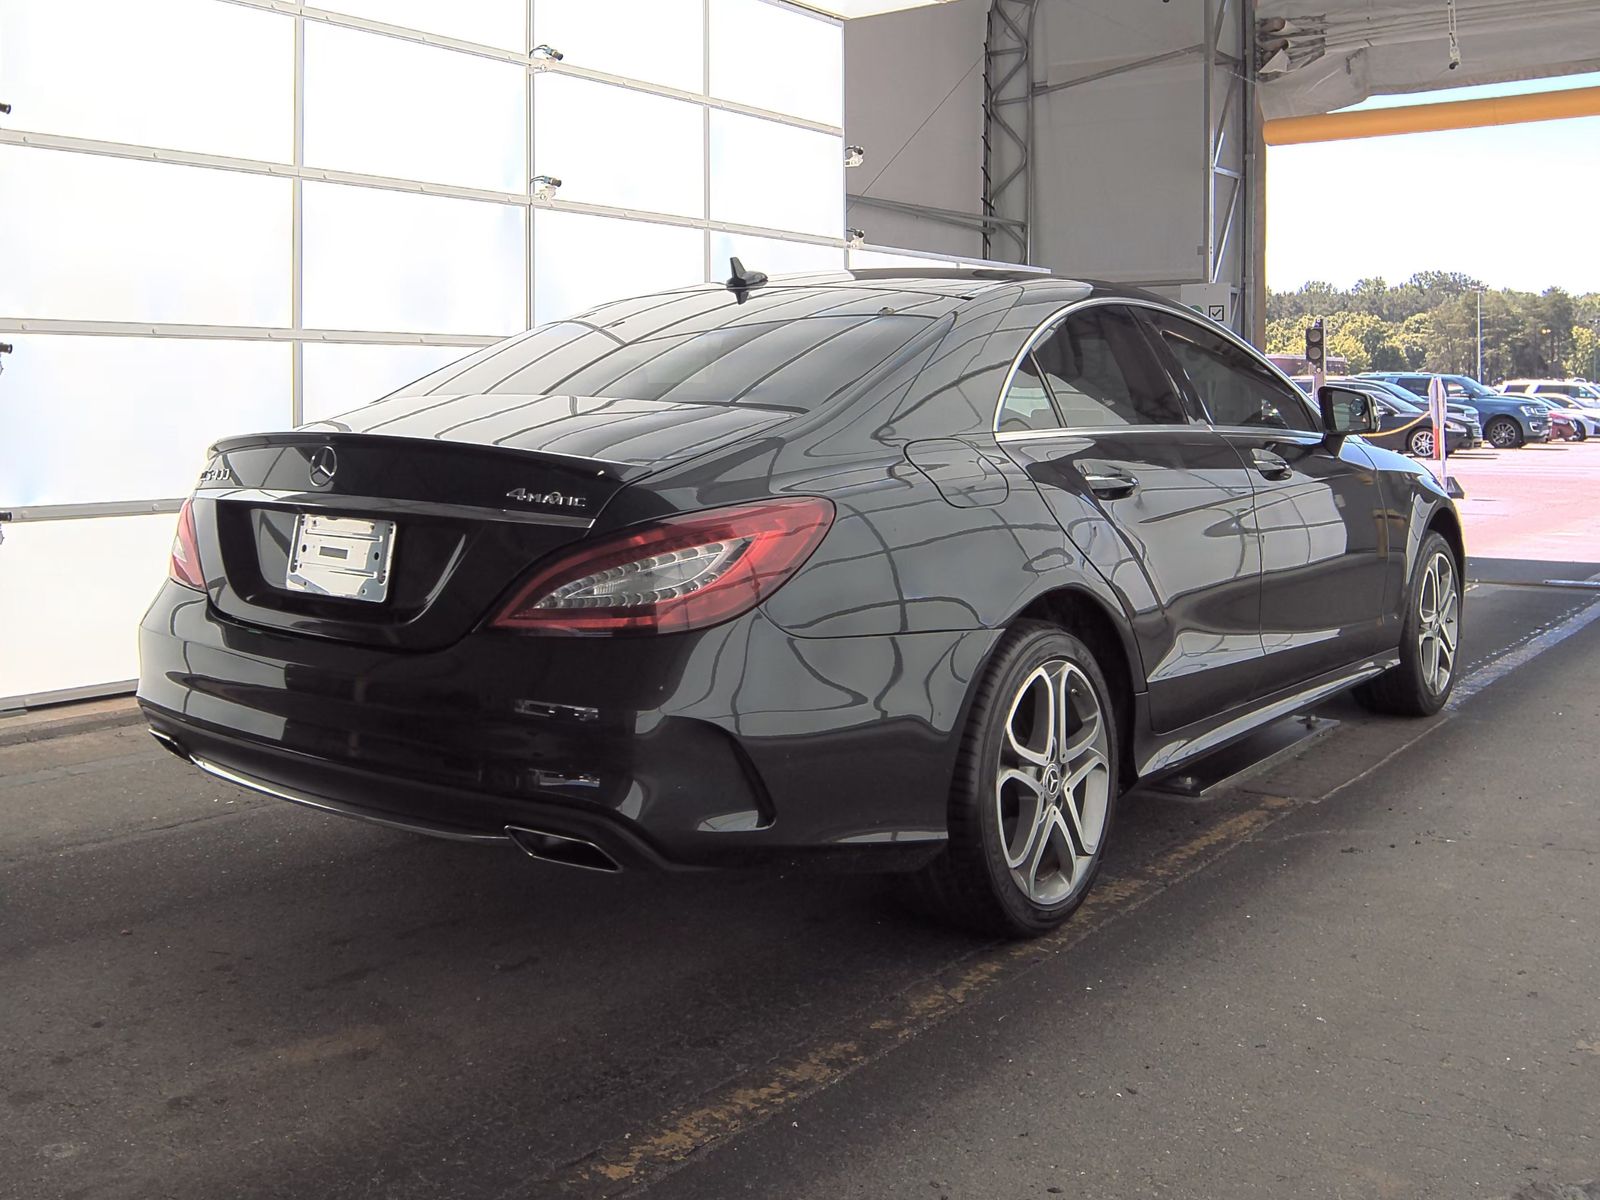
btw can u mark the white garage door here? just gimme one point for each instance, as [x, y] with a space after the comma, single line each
[221, 216]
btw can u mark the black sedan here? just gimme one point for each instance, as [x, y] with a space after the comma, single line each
[920, 570]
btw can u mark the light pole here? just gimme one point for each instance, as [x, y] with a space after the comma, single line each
[1547, 352]
[1479, 289]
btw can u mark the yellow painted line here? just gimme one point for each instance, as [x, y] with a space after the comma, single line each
[758, 1096]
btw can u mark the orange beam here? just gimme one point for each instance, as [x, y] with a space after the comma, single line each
[1432, 118]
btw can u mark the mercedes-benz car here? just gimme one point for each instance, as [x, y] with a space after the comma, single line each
[916, 571]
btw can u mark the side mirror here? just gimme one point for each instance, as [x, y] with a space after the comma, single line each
[1346, 411]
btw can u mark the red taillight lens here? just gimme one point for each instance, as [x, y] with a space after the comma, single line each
[184, 566]
[681, 573]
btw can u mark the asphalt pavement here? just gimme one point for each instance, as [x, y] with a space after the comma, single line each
[1371, 970]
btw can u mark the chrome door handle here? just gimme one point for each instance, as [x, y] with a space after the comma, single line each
[1270, 465]
[1111, 486]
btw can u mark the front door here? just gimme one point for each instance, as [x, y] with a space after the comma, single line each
[1319, 511]
[1159, 503]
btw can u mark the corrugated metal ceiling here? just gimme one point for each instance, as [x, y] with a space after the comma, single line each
[1321, 55]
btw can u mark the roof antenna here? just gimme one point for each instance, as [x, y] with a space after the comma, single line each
[741, 281]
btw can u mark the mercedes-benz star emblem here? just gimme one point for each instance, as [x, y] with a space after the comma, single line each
[324, 465]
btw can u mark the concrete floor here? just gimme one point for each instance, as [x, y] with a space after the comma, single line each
[1370, 971]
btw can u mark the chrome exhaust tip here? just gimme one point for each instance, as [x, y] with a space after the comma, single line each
[170, 744]
[559, 848]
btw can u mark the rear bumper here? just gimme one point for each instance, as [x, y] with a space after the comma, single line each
[733, 745]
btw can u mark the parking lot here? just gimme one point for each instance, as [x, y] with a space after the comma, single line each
[1368, 970]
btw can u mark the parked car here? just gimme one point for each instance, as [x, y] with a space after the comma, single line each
[920, 569]
[1583, 423]
[1420, 442]
[1574, 389]
[1405, 424]
[1564, 426]
[1508, 421]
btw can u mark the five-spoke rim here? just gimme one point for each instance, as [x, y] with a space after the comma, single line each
[1439, 613]
[1053, 782]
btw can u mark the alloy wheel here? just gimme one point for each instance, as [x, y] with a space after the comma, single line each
[1053, 782]
[1503, 434]
[1439, 610]
[1422, 443]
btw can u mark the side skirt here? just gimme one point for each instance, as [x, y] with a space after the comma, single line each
[1156, 753]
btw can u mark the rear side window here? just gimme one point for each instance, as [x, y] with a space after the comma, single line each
[1028, 405]
[795, 365]
[1236, 388]
[1094, 370]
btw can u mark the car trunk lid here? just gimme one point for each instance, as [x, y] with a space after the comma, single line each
[403, 526]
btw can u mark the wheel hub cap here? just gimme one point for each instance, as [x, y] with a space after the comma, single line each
[1053, 782]
[1439, 623]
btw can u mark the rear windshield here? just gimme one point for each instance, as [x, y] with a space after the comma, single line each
[794, 365]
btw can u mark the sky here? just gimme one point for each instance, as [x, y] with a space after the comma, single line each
[1516, 205]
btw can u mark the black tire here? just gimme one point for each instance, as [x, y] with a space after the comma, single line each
[1405, 690]
[970, 882]
[1580, 432]
[1503, 433]
[1421, 443]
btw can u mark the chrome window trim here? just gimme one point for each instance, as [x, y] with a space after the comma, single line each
[1175, 310]
[1030, 435]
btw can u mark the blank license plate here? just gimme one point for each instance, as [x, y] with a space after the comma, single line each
[341, 556]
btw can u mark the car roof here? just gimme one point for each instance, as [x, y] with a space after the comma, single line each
[908, 291]
[956, 282]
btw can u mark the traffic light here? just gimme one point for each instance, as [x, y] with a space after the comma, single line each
[1316, 357]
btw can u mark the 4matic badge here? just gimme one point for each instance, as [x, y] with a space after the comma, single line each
[554, 499]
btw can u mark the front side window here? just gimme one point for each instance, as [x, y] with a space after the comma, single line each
[1094, 370]
[1236, 388]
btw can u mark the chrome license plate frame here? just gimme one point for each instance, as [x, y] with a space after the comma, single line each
[347, 557]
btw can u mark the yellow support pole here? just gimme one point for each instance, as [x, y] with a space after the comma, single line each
[1434, 118]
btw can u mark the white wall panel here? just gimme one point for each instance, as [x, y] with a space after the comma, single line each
[777, 176]
[501, 23]
[90, 238]
[772, 255]
[866, 260]
[580, 261]
[661, 41]
[776, 58]
[913, 94]
[100, 416]
[385, 260]
[339, 378]
[618, 147]
[387, 107]
[88, 420]
[183, 74]
[71, 596]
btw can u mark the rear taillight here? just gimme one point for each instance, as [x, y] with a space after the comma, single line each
[184, 566]
[681, 573]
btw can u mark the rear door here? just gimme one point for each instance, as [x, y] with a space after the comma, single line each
[1156, 501]
[1328, 580]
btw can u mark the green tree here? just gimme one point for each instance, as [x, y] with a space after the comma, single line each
[1583, 360]
[1430, 322]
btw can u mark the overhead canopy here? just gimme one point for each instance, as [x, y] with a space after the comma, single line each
[1321, 55]
[866, 8]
